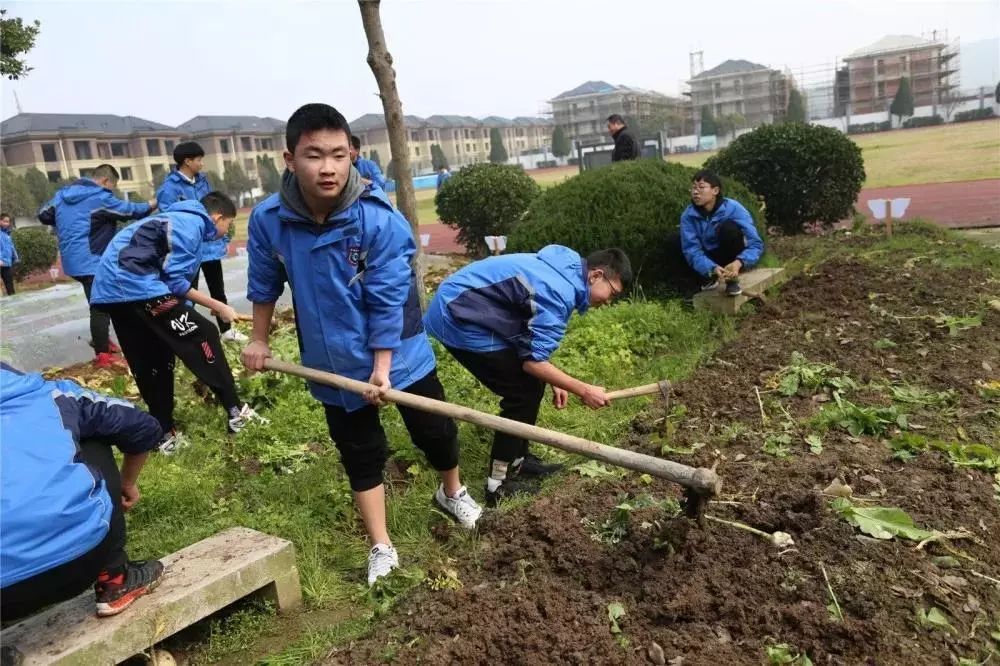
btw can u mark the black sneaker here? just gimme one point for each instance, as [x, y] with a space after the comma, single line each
[533, 467]
[508, 489]
[733, 288]
[711, 284]
[115, 594]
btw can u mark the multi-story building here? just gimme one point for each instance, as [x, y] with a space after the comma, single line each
[583, 111]
[741, 87]
[71, 145]
[463, 139]
[237, 139]
[874, 72]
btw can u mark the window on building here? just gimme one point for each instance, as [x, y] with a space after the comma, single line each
[126, 173]
[104, 151]
[120, 149]
[53, 176]
[266, 144]
[416, 150]
[718, 87]
[157, 170]
[718, 110]
[413, 136]
[249, 165]
[168, 146]
[881, 89]
[468, 147]
[224, 146]
[738, 87]
[153, 147]
[49, 152]
[739, 107]
[86, 173]
[226, 164]
[246, 144]
[82, 150]
[256, 144]
[879, 66]
[905, 62]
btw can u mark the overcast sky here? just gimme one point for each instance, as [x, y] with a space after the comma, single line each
[170, 61]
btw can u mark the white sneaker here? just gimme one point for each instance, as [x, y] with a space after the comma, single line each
[232, 335]
[381, 560]
[238, 420]
[462, 507]
[172, 441]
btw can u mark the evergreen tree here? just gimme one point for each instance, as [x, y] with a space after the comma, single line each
[561, 146]
[708, 126]
[498, 154]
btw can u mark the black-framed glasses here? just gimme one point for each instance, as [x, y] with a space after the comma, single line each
[615, 293]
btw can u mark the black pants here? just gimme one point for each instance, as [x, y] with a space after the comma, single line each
[100, 322]
[362, 444]
[7, 275]
[216, 286]
[71, 578]
[682, 277]
[520, 398]
[153, 333]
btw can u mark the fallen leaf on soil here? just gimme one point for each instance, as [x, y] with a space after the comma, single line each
[954, 581]
[838, 488]
[987, 367]
[972, 605]
[933, 617]
[881, 522]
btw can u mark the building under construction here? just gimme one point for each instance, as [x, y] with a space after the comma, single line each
[739, 87]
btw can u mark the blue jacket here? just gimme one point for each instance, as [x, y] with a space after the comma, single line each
[443, 178]
[517, 301]
[368, 169]
[176, 187]
[352, 287]
[155, 256]
[85, 216]
[8, 251]
[700, 235]
[55, 507]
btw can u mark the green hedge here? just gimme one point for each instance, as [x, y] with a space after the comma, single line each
[975, 114]
[37, 249]
[923, 121]
[632, 205]
[869, 128]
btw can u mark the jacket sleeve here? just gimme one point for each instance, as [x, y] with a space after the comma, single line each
[182, 262]
[265, 277]
[47, 213]
[691, 246]
[377, 176]
[114, 209]
[128, 427]
[386, 282]
[547, 327]
[754, 245]
[166, 195]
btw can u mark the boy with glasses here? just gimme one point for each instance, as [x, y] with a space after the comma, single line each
[717, 240]
[503, 318]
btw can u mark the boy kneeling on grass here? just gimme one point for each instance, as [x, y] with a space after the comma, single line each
[502, 318]
[144, 282]
[63, 496]
[717, 240]
[346, 252]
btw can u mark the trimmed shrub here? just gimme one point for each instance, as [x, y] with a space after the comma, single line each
[633, 205]
[924, 121]
[805, 173]
[869, 128]
[36, 248]
[974, 114]
[484, 200]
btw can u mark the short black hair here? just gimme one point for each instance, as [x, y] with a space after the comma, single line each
[106, 171]
[355, 142]
[613, 262]
[710, 177]
[187, 150]
[7, 215]
[313, 117]
[616, 118]
[217, 202]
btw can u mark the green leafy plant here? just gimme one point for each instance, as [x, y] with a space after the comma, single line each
[778, 446]
[976, 456]
[907, 445]
[485, 200]
[884, 343]
[36, 248]
[917, 395]
[803, 375]
[386, 591]
[933, 617]
[815, 443]
[784, 654]
[616, 612]
[880, 522]
[957, 324]
[805, 173]
[595, 470]
[857, 420]
[616, 527]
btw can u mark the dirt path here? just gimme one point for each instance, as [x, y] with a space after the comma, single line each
[542, 583]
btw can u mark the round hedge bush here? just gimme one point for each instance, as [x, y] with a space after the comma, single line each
[484, 200]
[634, 205]
[805, 173]
[36, 248]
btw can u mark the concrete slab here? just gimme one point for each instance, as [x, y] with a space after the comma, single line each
[753, 282]
[200, 580]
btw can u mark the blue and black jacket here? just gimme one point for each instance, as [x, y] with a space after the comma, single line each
[55, 507]
[85, 216]
[700, 234]
[8, 251]
[155, 256]
[368, 169]
[176, 187]
[353, 288]
[515, 301]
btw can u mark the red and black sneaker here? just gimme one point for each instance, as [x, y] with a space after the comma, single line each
[115, 594]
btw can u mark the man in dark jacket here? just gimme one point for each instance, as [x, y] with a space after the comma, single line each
[626, 146]
[63, 496]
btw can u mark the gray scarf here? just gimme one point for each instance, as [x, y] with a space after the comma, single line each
[291, 195]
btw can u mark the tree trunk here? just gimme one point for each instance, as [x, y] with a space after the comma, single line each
[380, 61]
